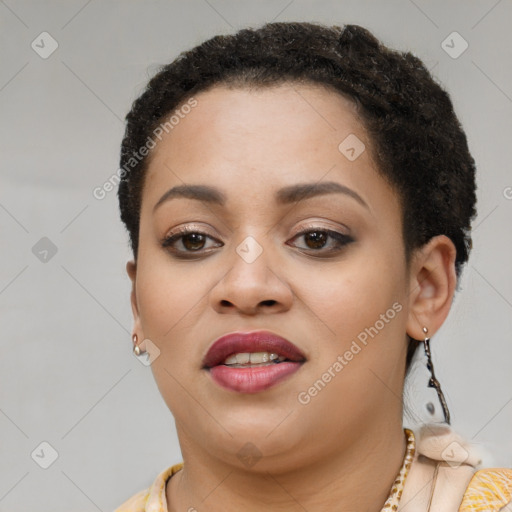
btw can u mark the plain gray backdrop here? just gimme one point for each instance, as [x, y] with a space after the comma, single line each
[68, 375]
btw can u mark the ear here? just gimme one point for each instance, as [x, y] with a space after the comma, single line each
[131, 269]
[432, 285]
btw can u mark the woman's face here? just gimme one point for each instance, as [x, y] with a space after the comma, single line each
[342, 301]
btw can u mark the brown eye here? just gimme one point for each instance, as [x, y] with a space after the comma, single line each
[317, 239]
[186, 242]
[193, 241]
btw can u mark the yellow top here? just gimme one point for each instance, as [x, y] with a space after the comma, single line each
[489, 490]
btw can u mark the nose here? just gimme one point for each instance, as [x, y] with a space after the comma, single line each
[254, 284]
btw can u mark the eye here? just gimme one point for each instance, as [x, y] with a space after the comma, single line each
[192, 240]
[316, 240]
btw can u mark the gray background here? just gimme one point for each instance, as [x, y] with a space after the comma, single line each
[68, 376]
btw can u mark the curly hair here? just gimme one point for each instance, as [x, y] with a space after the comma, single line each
[416, 139]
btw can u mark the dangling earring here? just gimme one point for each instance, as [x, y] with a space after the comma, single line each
[136, 348]
[433, 382]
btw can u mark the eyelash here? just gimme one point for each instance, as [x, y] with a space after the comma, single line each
[168, 241]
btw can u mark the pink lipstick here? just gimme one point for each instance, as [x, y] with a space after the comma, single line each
[250, 362]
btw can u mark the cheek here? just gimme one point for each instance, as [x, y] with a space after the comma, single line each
[354, 297]
[364, 311]
[169, 298]
[361, 305]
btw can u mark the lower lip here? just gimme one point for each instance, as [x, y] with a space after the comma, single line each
[252, 380]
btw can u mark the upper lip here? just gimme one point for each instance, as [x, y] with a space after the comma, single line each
[253, 341]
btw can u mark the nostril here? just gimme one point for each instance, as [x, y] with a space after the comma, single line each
[270, 302]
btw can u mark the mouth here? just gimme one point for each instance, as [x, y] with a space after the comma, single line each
[256, 348]
[250, 362]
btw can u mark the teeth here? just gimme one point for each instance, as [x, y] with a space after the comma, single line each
[253, 358]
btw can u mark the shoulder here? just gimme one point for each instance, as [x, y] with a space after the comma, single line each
[152, 498]
[490, 489]
[447, 475]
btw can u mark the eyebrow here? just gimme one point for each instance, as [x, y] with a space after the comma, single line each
[285, 195]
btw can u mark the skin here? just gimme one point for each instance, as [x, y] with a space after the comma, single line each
[346, 445]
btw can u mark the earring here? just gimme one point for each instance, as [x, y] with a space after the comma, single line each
[136, 348]
[433, 382]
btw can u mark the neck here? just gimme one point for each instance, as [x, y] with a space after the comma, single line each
[357, 477]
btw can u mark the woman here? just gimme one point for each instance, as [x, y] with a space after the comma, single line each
[299, 201]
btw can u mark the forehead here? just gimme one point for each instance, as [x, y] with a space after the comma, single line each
[295, 112]
[253, 140]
